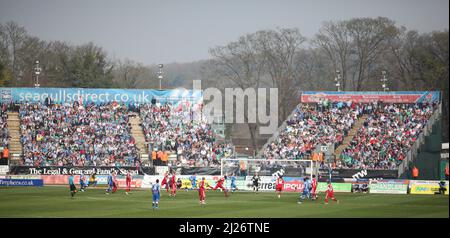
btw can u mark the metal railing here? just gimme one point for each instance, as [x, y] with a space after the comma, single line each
[412, 153]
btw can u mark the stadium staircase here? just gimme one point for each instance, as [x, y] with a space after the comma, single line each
[15, 146]
[346, 142]
[138, 134]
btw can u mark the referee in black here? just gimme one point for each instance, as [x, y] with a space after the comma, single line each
[256, 179]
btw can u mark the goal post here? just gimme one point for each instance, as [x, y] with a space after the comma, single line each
[264, 167]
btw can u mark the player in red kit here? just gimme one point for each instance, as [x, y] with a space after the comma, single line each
[219, 184]
[165, 181]
[202, 191]
[115, 182]
[330, 194]
[279, 185]
[314, 187]
[173, 185]
[128, 182]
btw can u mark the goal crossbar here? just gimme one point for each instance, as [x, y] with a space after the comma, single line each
[309, 166]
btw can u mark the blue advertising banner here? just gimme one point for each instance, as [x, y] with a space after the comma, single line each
[365, 97]
[97, 95]
[21, 182]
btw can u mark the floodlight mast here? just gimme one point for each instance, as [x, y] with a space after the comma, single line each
[384, 81]
[160, 74]
[337, 79]
[37, 71]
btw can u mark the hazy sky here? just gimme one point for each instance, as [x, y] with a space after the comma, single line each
[165, 31]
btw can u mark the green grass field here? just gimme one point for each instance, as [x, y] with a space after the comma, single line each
[40, 202]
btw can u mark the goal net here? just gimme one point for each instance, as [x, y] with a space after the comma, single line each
[264, 167]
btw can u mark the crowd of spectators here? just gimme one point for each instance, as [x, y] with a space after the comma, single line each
[312, 126]
[4, 133]
[386, 136]
[180, 129]
[381, 143]
[76, 135]
[100, 135]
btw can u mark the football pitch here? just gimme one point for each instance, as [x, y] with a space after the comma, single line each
[51, 202]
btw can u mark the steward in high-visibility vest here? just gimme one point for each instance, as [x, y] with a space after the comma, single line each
[446, 172]
[415, 172]
[5, 154]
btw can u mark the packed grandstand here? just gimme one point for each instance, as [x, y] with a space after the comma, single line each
[89, 134]
[381, 143]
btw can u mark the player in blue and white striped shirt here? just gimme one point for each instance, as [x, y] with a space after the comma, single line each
[156, 191]
[193, 179]
[82, 182]
[233, 183]
[110, 183]
[306, 190]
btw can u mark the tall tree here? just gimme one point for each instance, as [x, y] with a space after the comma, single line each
[31, 50]
[370, 37]
[335, 40]
[87, 66]
[241, 63]
[4, 51]
[55, 55]
[279, 49]
[128, 74]
[15, 36]
[314, 69]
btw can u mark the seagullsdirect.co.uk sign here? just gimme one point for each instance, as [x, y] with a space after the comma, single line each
[96, 95]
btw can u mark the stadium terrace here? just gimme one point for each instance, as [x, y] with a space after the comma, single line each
[86, 134]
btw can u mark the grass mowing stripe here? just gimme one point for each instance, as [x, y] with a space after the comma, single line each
[56, 202]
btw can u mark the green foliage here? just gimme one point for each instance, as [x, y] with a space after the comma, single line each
[5, 76]
[87, 67]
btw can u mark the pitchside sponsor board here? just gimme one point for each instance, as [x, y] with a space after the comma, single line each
[294, 184]
[135, 182]
[425, 187]
[101, 180]
[337, 187]
[268, 183]
[21, 176]
[4, 169]
[389, 186]
[148, 180]
[243, 183]
[21, 182]
[365, 97]
[186, 182]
